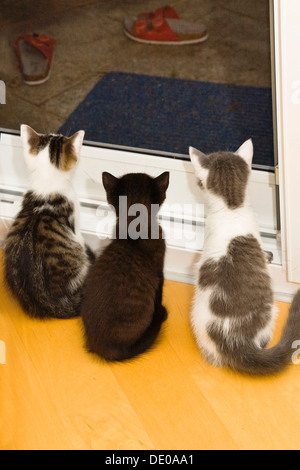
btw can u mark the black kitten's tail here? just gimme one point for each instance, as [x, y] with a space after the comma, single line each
[257, 361]
[148, 338]
[119, 353]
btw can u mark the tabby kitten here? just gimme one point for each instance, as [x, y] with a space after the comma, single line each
[233, 311]
[122, 310]
[46, 260]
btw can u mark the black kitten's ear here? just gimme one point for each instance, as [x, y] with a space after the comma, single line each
[109, 181]
[162, 181]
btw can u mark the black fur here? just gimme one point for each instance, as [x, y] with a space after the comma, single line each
[122, 310]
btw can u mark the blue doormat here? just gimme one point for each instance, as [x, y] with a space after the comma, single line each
[168, 114]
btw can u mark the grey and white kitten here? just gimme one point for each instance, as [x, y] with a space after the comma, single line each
[233, 311]
[46, 260]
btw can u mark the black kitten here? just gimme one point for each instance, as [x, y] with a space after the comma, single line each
[122, 309]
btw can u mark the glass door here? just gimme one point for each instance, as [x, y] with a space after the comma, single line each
[160, 98]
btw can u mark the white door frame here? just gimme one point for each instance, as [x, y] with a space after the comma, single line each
[287, 97]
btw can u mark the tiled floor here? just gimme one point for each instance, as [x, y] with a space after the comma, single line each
[91, 42]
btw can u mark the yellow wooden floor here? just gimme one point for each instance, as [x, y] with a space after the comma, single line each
[54, 395]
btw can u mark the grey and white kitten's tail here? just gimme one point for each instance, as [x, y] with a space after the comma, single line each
[259, 361]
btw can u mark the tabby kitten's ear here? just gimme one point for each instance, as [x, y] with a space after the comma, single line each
[246, 152]
[30, 138]
[200, 163]
[77, 140]
[71, 150]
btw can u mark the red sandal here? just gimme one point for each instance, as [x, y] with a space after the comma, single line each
[166, 11]
[164, 27]
[35, 53]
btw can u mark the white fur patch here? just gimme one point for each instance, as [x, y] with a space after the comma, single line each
[225, 224]
[201, 317]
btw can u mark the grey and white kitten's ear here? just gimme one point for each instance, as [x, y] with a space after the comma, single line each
[246, 152]
[109, 181]
[200, 163]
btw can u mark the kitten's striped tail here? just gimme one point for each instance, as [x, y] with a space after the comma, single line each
[255, 361]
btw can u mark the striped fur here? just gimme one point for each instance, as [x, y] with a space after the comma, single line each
[46, 260]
